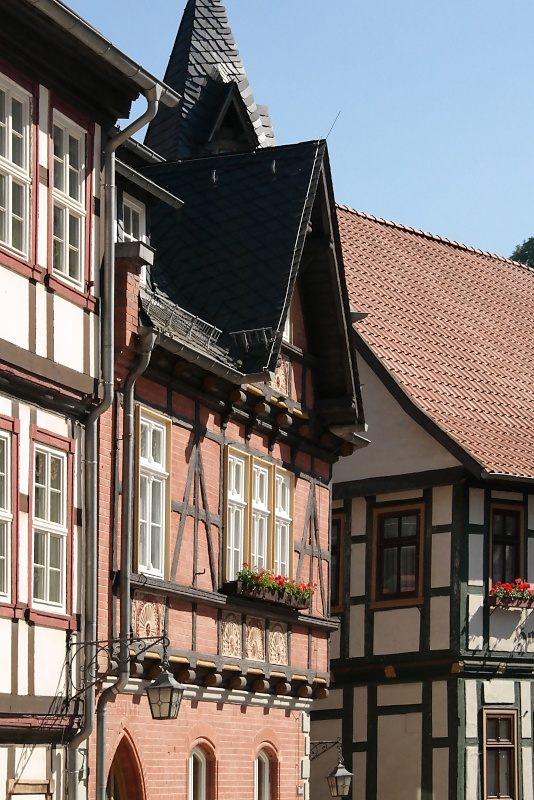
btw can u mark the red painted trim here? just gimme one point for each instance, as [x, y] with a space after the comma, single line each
[27, 266]
[68, 446]
[66, 622]
[81, 296]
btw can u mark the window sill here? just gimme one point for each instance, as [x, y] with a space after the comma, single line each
[49, 619]
[71, 293]
[508, 604]
[399, 602]
[20, 265]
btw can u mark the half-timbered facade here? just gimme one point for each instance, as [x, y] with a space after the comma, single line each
[62, 88]
[236, 392]
[432, 690]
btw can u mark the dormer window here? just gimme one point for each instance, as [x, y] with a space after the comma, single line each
[132, 228]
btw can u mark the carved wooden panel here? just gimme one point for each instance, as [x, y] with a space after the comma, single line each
[231, 635]
[278, 643]
[148, 616]
[255, 639]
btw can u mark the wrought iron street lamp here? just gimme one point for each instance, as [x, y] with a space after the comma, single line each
[338, 780]
[164, 696]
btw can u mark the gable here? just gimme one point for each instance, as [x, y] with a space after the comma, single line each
[399, 445]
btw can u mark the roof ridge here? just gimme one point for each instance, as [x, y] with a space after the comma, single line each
[432, 236]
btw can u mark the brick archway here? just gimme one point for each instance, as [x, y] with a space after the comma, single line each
[125, 781]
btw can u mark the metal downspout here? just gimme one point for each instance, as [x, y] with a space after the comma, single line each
[107, 294]
[148, 340]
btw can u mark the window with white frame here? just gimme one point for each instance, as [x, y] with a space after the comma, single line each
[153, 494]
[262, 777]
[15, 167]
[68, 199]
[197, 775]
[282, 525]
[258, 530]
[133, 226]
[6, 515]
[49, 525]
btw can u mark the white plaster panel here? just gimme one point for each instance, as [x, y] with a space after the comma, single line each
[498, 691]
[335, 637]
[24, 448]
[58, 771]
[442, 505]
[439, 623]
[476, 559]
[3, 765]
[6, 407]
[476, 506]
[68, 333]
[5, 672]
[526, 758]
[392, 497]
[471, 709]
[440, 704]
[400, 694]
[359, 714]
[359, 516]
[498, 495]
[471, 772]
[14, 300]
[475, 609]
[526, 710]
[43, 125]
[334, 700]
[42, 231]
[398, 444]
[50, 658]
[357, 570]
[40, 320]
[357, 628]
[507, 630]
[30, 763]
[359, 765]
[441, 560]
[325, 730]
[306, 722]
[52, 422]
[22, 660]
[23, 557]
[396, 631]
[440, 773]
[530, 517]
[399, 757]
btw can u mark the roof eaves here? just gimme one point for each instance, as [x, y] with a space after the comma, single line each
[149, 186]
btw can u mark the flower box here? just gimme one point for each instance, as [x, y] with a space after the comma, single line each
[262, 593]
[509, 603]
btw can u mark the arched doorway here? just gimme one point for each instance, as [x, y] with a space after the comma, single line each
[125, 780]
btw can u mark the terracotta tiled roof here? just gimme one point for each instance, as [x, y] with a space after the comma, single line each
[455, 328]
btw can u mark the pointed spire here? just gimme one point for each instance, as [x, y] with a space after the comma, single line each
[206, 69]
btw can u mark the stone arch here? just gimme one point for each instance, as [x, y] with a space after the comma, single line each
[125, 779]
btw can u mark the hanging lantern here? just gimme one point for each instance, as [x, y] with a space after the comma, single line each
[164, 696]
[339, 780]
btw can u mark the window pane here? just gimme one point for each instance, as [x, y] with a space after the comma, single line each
[59, 159]
[39, 562]
[3, 557]
[3, 208]
[505, 729]
[144, 441]
[74, 168]
[492, 727]
[409, 525]
[407, 564]
[40, 486]
[74, 247]
[17, 215]
[505, 773]
[390, 529]
[54, 588]
[59, 237]
[157, 446]
[389, 571]
[3, 123]
[143, 521]
[492, 772]
[3, 475]
[17, 132]
[55, 552]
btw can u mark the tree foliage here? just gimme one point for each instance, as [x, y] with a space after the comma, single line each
[525, 252]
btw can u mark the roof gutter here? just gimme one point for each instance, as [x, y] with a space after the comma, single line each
[504, 476]
[106, 50]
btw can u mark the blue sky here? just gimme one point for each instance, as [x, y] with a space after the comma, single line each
[436, 98]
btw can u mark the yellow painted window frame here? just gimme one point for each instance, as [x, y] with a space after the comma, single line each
[165, 422]
[272, 469]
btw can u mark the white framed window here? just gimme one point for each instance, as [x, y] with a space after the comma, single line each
[282, 524]
[197, 775]
[133, 225]
[15, 167]
[262, 777]
[6, 514]
[49, 526]
[235, 514]
[259, 524]
[68, 199]
[153, 494]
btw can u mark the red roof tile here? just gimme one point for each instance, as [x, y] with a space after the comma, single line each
[455, 327]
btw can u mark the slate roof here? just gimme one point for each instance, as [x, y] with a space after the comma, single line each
[203, 63]
[454, 327]
[230, 256]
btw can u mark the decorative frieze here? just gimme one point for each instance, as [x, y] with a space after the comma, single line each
[255, 639]
[148, 616]
[231, 644]
[278, 643]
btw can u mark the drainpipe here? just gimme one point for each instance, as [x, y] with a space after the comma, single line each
[91, 435]
[148, 340]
